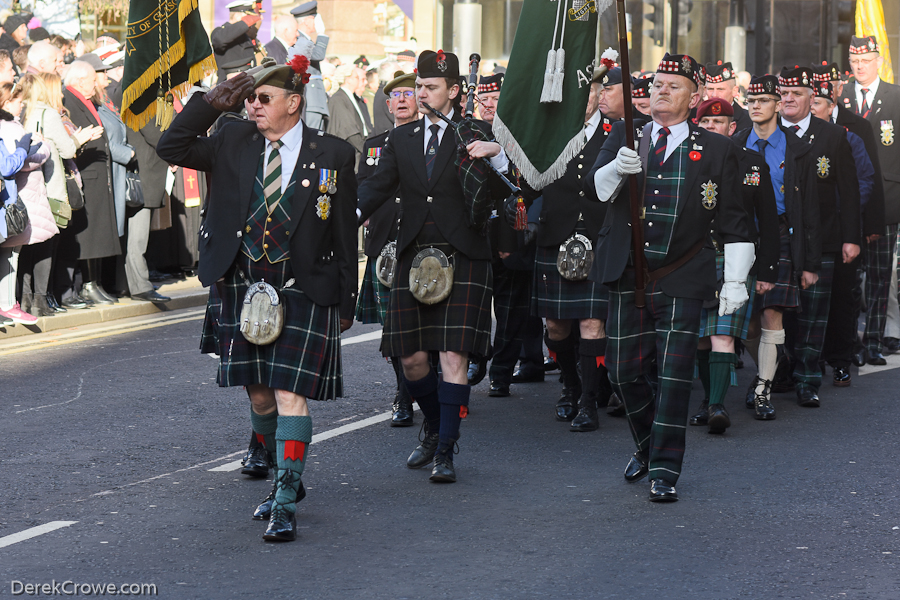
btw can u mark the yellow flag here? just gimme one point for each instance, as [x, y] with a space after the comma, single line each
[870, 21]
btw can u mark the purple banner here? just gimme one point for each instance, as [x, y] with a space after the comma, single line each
[406, 6]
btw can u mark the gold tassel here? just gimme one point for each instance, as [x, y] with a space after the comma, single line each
[165, 110]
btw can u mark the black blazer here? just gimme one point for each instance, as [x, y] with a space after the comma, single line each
[323, 253]
[403, 164]
[762, 208]
[838, 185]
[276, 50]
[873, 213]
[718, 164]
[382, 226]
[741, 117]
[885, 108]
[230, 42]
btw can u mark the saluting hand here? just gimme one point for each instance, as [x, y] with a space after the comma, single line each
[230, 92]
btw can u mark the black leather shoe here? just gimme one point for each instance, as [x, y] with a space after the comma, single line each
[891, 345]
[841, 377]
[51, 300]
[424, 452]
[528, 374]
[807, 397]
[402, 410]
[718, 420]
[74, 302]
[443, 471]
[498, 390]
[567, 405]
[264, 510]
[256, 462]
[282, 526]
[615, 407]
[636, 468]
[702, 414]
[750, 398]
[550, 364]
[763, 404]
[876, 358]
[477, 371]
[92, 292]
[586, 419]
[151, 296]
[859, 357]
[661, 491]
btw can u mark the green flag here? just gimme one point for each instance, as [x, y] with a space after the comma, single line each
[540, 118]
[166, 51]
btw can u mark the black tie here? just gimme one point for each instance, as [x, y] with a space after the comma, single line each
[660, 148]
[431, 151]
[761, 144]
[864, 109]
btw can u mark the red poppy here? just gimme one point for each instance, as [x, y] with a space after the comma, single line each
[299, 64]
[607, 127]
[695, 156]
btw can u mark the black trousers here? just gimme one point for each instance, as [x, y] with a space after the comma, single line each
[515, 325]
[841, 338]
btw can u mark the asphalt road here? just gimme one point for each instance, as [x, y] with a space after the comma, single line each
[113, 432]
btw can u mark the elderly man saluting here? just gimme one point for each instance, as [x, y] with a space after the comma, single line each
[279, 244]
[688, 177]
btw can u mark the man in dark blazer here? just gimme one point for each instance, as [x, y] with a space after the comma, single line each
[281, 211]
[839, 211]
[878, 102]
[236, 39]
[721, 83]
[348, 118]
[690, 178]
[419, 158]
[285, 28]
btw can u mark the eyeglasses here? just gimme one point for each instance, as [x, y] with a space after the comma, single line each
[263, 98]
[406, 94]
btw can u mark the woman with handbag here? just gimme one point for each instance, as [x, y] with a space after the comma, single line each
[25, 184]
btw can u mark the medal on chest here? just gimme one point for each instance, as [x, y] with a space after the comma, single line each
[372, 156]
[887, 132]
[328, 181]
[823, 167]
[709, 195]
[751, 178]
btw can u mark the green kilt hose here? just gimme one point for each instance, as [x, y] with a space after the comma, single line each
[879, 259]
[372, 303]
[306, 357]
[735, 324]
[556, 297]
[785, 294]
[459, 323]
[812, 321]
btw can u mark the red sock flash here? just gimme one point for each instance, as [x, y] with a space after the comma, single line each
[294, 450]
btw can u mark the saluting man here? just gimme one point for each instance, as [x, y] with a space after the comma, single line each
[236, 40]
[312, 43]
[381, 234]
[445, 306]
[689, 178]
[280, 230]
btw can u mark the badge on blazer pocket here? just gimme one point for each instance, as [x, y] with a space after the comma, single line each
[431, 276]
[887, 132]
[823, 167]
[710, 195]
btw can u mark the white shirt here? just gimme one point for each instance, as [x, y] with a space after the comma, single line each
[500, 162]
[677, 134]
[873, 89]
[291, 142]
[834, 113]
[804, 124]
[590, 126]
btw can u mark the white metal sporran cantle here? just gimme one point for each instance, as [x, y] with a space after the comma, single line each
[576, 255]
[384, 264]
[262, 314]
[431, 276]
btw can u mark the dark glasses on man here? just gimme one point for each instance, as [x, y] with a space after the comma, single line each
[264, 98]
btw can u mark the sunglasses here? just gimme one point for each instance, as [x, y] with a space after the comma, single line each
[263, 98]
[406, 94]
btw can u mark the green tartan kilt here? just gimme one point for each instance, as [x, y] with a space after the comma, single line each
[306, 357]
[373, 299]
[786, 293]
[735, 324]
[209, 337]
[555, 297]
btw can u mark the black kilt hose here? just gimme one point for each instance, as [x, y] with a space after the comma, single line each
[460, 323]
[306, 357]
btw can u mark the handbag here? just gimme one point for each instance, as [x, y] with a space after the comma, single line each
[16, 217]
[134, 191]
[62, 212]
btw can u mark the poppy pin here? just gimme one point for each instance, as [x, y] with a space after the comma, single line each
[695, 156]
[607, 127]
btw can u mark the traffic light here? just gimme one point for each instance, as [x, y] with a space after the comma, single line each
[657, 19]
[842, 20]
[684, 21]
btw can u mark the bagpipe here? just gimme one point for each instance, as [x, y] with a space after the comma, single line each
[473, 172]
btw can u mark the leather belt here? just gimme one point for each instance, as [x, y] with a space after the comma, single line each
[669, 268]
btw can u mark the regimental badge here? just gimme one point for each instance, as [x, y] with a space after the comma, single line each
[871, 45]
[751, 179]
[823, 167]
[709, 195]
[323, 207]
[328, 181]
[887, 132]
[441, 61]
[726, 74]
[686, 65]
[805, 79]
[716, 109]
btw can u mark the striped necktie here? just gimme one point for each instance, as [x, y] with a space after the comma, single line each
[660, 148]
[272, 180]
[864, 109]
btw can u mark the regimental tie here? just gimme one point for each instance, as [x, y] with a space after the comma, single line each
[761, 144]
[864, 109]
[272, 180]
[795, 129]
[431, 151]
[660, 147]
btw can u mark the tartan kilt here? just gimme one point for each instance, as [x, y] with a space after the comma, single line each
[786, 293]
[209, 337]
[306, 357]
[460, 323]
[555, 297]
[735, 324]
[372, 302]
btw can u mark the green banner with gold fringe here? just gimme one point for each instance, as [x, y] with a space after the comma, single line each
[166, 51]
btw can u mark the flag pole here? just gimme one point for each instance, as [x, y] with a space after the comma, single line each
[637, 228]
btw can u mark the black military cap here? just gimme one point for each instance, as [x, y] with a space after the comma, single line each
[796, 77]
[826, 72]
[406, 56]
[864, 45]
[611, 77]
[640, 86]
[824, 89]
[437, 64]
[490, 83]
[719, 72]
[307, 9]
[765, 85]
[684, 65]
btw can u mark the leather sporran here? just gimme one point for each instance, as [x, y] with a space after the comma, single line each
[431, 276]
[576, 255]
[262, 315]
[385, 263]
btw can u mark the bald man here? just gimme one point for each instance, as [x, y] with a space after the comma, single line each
[44, 57]
[286, 33]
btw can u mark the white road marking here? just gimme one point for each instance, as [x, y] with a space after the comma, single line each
[15, 538]
[319, 437]
[893, 362]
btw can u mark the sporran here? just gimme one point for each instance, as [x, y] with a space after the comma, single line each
[576, 255]
[431, 276]
[262, 314]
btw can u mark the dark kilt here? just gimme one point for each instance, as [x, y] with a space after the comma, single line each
[209, 337]
[461, 323]
[555, 297]
[735, 324]
[306, 357]
[786, 293]
[372, 302]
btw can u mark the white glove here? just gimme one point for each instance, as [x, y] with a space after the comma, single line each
[628, 162]
[607, 182]
[739, 257]
[320, 24]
